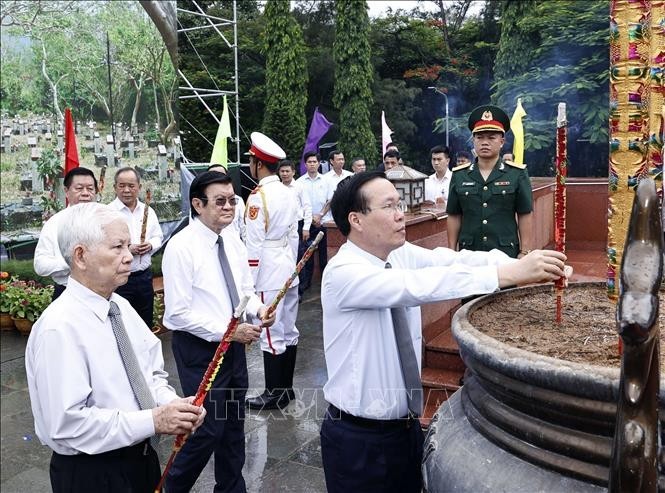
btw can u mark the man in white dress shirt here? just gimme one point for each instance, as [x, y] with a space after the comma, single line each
[271, 219]
[198, 308]
[239, 218]
[315, 188]
[370, 439]
[84, 401]
[80, 186]
[437, 184]
[287, 172]
[138, 290]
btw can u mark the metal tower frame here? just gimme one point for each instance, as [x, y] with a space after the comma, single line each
[188, 91]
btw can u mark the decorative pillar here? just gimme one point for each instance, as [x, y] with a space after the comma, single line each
[637, 71]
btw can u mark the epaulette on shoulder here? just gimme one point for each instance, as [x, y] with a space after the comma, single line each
[461, 166]
[256, 189]
[515, 165]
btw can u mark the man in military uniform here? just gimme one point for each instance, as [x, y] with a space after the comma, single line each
[486, 194]
[271, 219]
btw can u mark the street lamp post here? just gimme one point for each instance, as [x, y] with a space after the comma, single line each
[446, 100]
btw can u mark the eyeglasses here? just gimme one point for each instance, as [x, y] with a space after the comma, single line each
[221, 201]
[388, 208]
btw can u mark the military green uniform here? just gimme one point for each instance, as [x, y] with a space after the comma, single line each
[488, 207]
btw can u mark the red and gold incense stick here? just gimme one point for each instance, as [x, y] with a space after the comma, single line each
[144, 224]
[560, 199]
[102, 180]
[206, 382]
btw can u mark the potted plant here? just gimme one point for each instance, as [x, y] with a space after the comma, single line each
[6, 322]
[27, 301]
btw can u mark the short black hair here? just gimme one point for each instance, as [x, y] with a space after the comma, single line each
[80, 171]
[216, 165]
[391, 153]
[464, 154]
[287, 162]
[439, 150]
[349, 198]
[197, 190]
[309, 154]
[356, 159]
[332, 154]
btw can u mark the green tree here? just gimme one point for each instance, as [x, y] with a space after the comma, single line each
[563, 48]
[286, 78]
[354, 75]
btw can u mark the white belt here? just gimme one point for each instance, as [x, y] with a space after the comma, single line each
[279, 243]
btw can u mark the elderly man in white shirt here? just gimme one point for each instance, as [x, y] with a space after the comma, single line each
[138, 290]
[438, 184]
[80, 187]
[371, 293]
[206, 271]
[95, 372]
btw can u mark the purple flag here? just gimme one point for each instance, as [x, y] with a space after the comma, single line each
[317, 130]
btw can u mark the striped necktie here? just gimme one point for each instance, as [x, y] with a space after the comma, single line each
[131, 363]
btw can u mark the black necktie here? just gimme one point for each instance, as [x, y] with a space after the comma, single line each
[407, 359]
[136, 378]
[228, 275]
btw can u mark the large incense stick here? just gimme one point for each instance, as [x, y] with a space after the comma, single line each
[560, 199]
[206, 382]
[144, 224]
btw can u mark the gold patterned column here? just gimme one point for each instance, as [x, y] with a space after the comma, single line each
[637, 70]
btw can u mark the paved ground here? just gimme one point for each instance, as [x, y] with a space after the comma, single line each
[282, 448]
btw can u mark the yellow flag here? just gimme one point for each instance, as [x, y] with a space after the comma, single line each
[220, 154]
[518, 132]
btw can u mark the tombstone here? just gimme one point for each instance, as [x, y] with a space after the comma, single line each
[21, 127]
[7, 140]
[135, 129]
[98, 145]
[91, 131]
[60, 139]
[77, 126]
[130, 147]
[48, 126]
[32, 141]
[37, 182]
[176, 151]
[162, 166]
[110, 152]
[48, 137]
[100, 160]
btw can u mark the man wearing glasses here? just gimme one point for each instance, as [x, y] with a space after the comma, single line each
[80, 187]
[205, 274]
[371, 438]
[271, 219]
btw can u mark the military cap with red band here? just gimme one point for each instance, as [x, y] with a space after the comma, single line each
[265, 149]
[489, 118]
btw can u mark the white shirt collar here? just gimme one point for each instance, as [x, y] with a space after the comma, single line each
[208, 234]
[97, 304]
[268, 179]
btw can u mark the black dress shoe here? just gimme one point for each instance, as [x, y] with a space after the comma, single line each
[276, 399]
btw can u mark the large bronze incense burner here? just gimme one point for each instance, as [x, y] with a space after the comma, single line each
[527, 422]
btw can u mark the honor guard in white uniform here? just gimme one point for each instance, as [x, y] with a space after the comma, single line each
[271, 219]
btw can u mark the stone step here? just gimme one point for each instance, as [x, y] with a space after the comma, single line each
[438, 386]
[442, 352]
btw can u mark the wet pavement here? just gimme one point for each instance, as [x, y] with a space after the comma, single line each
[282, 448]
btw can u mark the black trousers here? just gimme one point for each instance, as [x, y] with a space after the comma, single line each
[132, 469]
[140, 294]
[308, 270]
[223, 430]
[364, 456]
